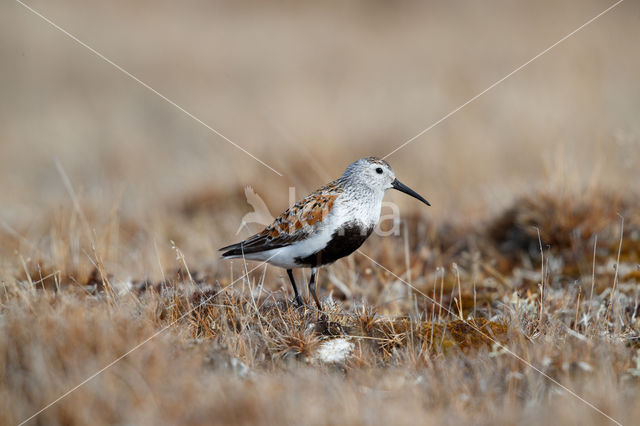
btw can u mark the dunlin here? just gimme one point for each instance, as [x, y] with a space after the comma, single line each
[326, 225]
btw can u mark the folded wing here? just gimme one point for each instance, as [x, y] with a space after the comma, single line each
[293, 225]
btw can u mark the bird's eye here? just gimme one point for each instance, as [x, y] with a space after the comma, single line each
[379, 170]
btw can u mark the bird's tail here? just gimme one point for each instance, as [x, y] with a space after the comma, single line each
[230, 251]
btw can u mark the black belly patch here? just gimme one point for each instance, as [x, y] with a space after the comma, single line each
[344, 241]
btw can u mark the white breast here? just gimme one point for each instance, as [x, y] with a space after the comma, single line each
[365, 209]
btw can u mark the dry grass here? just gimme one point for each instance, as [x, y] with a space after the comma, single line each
[234, 349]
[113, 205]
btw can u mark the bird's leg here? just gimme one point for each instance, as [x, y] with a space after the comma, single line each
[295, 289]
[312, 288]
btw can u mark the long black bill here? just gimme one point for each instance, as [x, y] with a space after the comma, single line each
[396, 184]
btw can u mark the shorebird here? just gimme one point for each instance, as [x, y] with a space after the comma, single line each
[326, 225]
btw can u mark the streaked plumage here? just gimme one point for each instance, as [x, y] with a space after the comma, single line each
[327, 224]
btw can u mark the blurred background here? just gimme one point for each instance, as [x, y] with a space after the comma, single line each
[307, 88]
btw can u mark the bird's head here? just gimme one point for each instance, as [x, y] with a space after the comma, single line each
[377, 175]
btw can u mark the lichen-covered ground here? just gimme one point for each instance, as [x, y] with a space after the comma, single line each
[473, 326]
